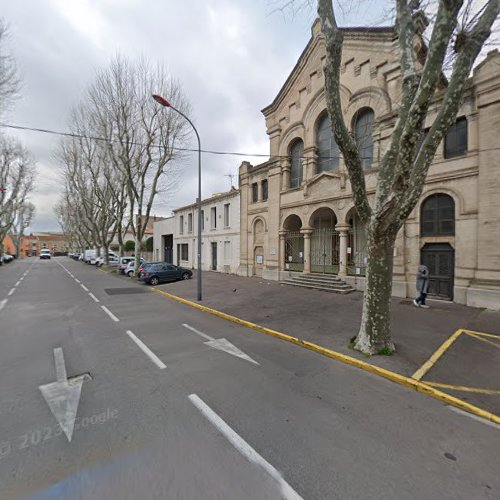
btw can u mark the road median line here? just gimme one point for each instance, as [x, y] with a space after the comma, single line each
[397, 378]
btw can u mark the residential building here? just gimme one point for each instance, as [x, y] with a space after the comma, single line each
[297, 212]
[220, 234]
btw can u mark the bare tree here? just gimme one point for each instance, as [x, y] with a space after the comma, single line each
[16, 182]
[22, 220]
[141, 137]
[10, 82]
[404, 166]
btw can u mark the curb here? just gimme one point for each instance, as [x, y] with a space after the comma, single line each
[397, 378]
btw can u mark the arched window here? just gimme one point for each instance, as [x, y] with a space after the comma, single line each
[328, 151]
[438, 216]
[296, 152]
[363, 133]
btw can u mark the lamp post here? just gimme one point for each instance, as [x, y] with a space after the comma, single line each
[161, 100]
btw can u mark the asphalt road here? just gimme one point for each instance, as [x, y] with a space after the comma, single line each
[164, 413]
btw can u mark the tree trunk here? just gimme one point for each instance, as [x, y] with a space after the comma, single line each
[137, 252]
[375, 330]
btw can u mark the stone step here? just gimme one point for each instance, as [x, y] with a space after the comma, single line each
[331, 284]
[323, 288]
[325, 279]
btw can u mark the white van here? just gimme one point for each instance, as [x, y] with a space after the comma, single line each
[88, 255]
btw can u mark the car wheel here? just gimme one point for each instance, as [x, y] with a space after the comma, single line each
[130, 274]
[154, 281]
[185, 276]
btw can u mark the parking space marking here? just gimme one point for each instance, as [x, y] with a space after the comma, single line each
[482, 334]
[146, 350]
[94, 298]
[477, 337]
[243, 447]
[3, 303]
[463, 388]
[109, 313]
[437, 354]
[474, 417]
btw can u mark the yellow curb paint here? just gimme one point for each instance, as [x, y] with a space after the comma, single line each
[408, 382]
[437, 354]
[483, 334]
[463, 388]
[477, 337]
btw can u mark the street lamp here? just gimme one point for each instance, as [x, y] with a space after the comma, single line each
[161, 100]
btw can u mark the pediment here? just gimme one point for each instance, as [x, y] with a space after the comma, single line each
[324, 183]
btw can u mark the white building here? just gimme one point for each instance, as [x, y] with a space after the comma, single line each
[176, 237]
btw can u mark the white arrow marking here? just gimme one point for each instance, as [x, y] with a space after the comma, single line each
[226, 346]
[63, 396]
[221, 345]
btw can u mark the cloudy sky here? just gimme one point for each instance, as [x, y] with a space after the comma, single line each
[230, 56]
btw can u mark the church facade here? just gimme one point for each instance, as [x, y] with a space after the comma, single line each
[297, 212]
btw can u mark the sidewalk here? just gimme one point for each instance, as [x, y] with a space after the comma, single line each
[331, 320]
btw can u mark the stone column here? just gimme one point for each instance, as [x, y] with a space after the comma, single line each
[343, 230]
[281, 255]
[309, 163]
[307, 249]
[285, 169]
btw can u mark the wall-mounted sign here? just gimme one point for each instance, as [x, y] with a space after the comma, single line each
[358, 270]
[301, 255]
[259, 259]
[290, 258]
[349, 250]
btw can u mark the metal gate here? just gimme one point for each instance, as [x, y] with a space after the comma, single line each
[294, 251]
[325, 251]
[357, 255]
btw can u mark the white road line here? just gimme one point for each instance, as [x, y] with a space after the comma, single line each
[21, 278]
[11, 291]
[84, 287]
[78, 281]
[109, 313]
[154, 358]
[474, 417]
[94, 297]
[3, 303]
[244, 448]
[17, 284]
[201, 334]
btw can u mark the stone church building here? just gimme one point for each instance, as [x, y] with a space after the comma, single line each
[297, 213]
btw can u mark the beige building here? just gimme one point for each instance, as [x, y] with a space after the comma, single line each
[297, 214]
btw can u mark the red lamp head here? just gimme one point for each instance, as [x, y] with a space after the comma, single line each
[161, 100]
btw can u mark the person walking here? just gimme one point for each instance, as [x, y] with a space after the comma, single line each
[422, 286]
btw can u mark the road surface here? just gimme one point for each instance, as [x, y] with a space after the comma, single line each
[178, 404]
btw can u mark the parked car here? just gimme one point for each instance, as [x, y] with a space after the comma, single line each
[6, 258]
[45, 253]
[122, 266]
[113, 260]
[130, 269]
[155, 272]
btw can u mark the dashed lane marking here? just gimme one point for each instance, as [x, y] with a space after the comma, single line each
[287, 492]
[3, 303]
[77, 280]
[109, 313]
[11, 291]
[146, 350]
[17, 283]
[474, 417]
[84, 287]
[94, 298]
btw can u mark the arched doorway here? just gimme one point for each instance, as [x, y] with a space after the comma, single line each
[357, 254]
[325, 242]
[440, 260]
[294, 244]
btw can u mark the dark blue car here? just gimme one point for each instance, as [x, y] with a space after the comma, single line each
[157, 272]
